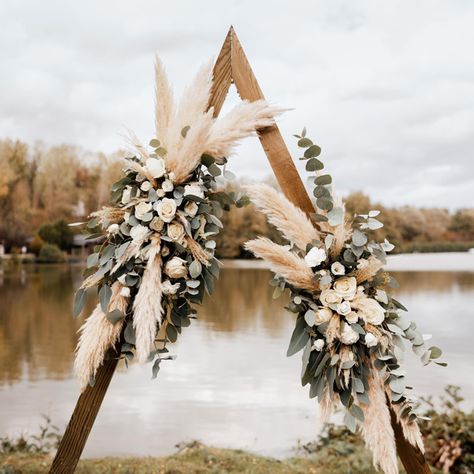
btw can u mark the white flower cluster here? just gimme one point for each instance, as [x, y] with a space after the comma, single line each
[341, 297]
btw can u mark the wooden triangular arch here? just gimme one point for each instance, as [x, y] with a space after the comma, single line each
[231, 66]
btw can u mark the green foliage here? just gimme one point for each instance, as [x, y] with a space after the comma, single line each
[58, 233]
[449, 433]
[51, 253]
[46, 441]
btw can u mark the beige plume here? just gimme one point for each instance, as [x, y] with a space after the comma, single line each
[368, 270]
[290, 220]
[147, 308]
[97, 336]
[411, 430]
[164, 102]
[377, 429]
[283, 262]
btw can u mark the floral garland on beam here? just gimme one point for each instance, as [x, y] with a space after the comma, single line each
[156, 256]
[348, 326]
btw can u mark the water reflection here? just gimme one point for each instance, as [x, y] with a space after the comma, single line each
[231, 384]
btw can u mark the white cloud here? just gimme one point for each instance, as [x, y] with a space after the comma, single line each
[385, 88]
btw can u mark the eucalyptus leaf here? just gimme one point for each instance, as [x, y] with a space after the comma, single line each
[115, 316]
[79, 302]
[195, 268]
[105, 293]
[299, 338]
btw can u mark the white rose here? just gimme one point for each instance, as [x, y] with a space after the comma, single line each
[318, 344]
[329, 297]
[337, 268]
[315, 257]
[191, 208]
[370, 311]
[167, 186]
[352, 317]
[323, 315]
[141, 209]
[370, 340]
[146, 186]
[139, 233]
[344, 308]
[156, 224]
[126, 195]
[160, 192]
[194, 189]
[176, 231]
[156, 167]
[176, 268]
[168, 288]
[166, 209]
[113, 229]
[348, 335]
[346, 287]
[125, 291]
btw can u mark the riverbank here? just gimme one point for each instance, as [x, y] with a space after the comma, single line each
[406, 262]
[197, 458]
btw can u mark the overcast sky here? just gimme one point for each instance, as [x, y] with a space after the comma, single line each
[385, 87]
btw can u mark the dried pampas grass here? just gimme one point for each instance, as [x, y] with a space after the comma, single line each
[369, 270]
[198, 252]
[377, 429]
[164, 102]
[283, 262]
[242, 121]
[290, 220]
[109, 214]
[98, 335]
[411, 430]
[147, 308]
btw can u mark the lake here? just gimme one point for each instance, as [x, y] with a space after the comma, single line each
[231, 384]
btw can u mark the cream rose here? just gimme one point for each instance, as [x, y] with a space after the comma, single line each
[315, 257]
[370, 340]
[323, 315]
[146, 186]
[329, 297]
[191, 208]
[125, 291]
[194, 189]
[113, 229]
[337, 268]
[141, 209]
[318, 344]
[348, 335]
[156, 167]
[167, 186]
[139, 233]
[176, 231]
[166, 209]
[344, 308]
[346, 287]
[168, 288]
[176, 268]
[156, 224]
[352, 317]
[370, 311]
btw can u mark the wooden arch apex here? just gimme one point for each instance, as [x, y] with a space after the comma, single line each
[231, 66]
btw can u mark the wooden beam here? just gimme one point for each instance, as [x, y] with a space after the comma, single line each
[270, 138]
[82, 419]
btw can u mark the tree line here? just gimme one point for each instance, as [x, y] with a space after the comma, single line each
[44, 187]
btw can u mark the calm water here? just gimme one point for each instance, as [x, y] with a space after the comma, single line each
[231, 385]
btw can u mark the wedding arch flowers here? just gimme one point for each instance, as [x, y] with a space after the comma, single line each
[348, 325]
[156, 257]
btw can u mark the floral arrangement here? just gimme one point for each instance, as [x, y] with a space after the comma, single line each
[156, 257]
[349, 327]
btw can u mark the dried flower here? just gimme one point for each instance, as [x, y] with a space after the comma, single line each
[315, 257]
[167, 186]
[146, 186]
[318, 344]
[346, 287]
[329, 297]
[337, 268]
[370, 340]
[176, 268]
[191, 208]
[156, 224]
[141, 209]
[113, 229]
[344, 308]
[176, 231]
[323, 315]
[156, 167]
[348, 335]
[194, 189]
[169, 288]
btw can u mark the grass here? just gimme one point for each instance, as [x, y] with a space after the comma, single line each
[198, 458]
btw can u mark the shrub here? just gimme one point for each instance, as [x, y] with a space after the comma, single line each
[58, 233]
[51, 253]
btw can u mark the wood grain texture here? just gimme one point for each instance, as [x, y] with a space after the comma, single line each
[270, 138]
[82, 419]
